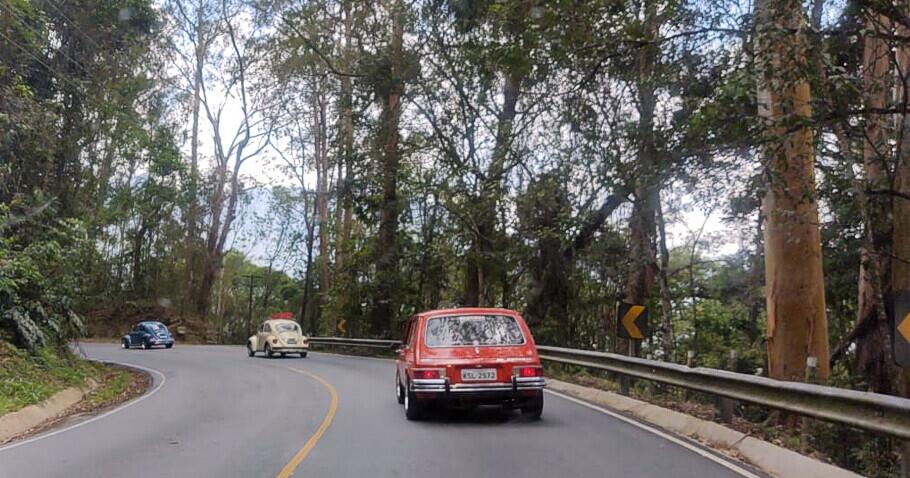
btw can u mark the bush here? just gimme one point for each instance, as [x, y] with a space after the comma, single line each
[40, 260]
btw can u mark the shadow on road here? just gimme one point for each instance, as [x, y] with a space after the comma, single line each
[480, 415]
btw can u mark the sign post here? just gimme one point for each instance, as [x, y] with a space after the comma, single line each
[631, 324]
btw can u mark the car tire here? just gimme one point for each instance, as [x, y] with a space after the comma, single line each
[534, 408]
[168, 346]
[268, 351]
[283, 354]
[124, 344]
[413, 408]
[146, 344]
[249, 350]
[302, 354]
[399, 390]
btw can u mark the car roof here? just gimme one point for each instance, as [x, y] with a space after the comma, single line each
[470, 310]
[150, 322]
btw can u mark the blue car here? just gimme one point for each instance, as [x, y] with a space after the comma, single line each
[148, 335]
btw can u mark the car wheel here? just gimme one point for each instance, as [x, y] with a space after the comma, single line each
[249, 350]
[168, 346]
[413, 408]
[146, 344]
[124, 344]
[268, 351]
[302, 354]
[283, 354]
[534, 408]
[399, 390]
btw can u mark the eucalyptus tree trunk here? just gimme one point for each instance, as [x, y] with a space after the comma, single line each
[192, 211]
[345, 201]
[900, 234]
[384, 309]
[873, 337]
[643, 267]
[797, 323]
[480, 263]
[322, 173]
[666, 301]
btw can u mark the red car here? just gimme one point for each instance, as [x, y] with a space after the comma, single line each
[468, 356]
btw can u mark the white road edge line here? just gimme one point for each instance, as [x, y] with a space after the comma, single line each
[99, 417]
[666, 436]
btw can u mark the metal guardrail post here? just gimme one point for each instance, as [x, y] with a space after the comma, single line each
[726, 406]
[905, 459]
[690, 362]
[811, 377]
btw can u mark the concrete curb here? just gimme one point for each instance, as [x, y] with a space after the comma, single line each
[15, 423]
[772, 459]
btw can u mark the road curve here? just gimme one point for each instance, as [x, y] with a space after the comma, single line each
[222, 414]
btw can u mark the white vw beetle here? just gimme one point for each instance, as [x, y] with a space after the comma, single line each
[278, 336]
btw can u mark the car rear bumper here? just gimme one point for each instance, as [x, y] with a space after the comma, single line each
[442, 386]
[291, 349]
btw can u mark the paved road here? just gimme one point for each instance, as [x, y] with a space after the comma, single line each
[218, 413]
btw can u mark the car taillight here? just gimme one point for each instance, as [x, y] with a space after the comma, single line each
[428, 373]
[528, 372]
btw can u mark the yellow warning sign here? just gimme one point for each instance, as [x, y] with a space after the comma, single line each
[900, 338]
[904, 327]
[632, 321]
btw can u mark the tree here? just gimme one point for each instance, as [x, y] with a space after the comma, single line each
[797, 322]
[390, 88]
[248, 140]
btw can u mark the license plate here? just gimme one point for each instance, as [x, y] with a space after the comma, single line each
[292, 341]
[478, 374]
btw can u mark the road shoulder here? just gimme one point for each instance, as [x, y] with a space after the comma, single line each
[115, 385]
[767, 457]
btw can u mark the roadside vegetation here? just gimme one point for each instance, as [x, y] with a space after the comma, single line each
[29, 379]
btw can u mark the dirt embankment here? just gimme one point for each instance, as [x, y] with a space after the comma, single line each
[113, 322]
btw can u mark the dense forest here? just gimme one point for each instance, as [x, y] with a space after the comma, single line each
[358, 161]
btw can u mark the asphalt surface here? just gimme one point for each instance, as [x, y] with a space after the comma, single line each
[219, 413]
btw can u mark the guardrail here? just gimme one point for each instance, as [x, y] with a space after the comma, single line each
[343, 341]
[885, 414]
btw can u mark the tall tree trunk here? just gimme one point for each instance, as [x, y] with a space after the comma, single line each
[345, 200]
[900, 261]
[192, 213]
[900, 264]
[480, 262]
[322, 211]
[666, 304]
[384, 310]
[875, 262]
[640, 279]
[308, 286]
[211, 257]
[797, 324]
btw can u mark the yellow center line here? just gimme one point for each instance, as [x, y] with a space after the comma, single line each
[292, 465]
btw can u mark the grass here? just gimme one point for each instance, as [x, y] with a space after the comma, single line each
[113, 386]
[27, 379]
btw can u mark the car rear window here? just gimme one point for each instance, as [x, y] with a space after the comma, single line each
[460, 330]
[286, 327]
[154, 327]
